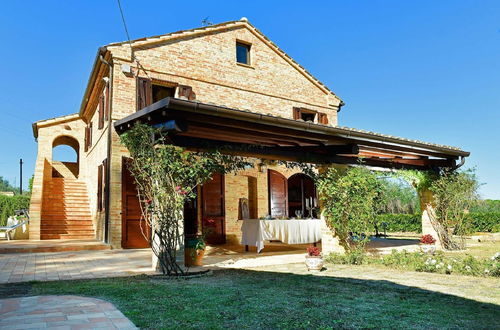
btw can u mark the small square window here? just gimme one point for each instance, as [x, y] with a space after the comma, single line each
[308, 116]
[243, 53]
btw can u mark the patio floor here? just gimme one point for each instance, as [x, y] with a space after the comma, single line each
[85, 264]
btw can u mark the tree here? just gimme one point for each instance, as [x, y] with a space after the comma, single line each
[167, 176]
[455, 193]
[6, 186]
[350, 201]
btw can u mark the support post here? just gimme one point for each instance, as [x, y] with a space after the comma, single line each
[329, 242]
[426, 198]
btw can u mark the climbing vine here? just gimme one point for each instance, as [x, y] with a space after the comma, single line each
[166, 177]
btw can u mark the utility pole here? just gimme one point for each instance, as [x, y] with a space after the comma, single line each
[21, 176]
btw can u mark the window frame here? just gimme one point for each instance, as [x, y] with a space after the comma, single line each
[248, 47]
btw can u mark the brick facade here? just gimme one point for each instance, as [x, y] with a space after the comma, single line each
[205, 60]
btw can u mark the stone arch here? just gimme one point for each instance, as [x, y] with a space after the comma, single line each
[66, 169]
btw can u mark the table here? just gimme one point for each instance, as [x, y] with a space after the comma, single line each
[300, 231]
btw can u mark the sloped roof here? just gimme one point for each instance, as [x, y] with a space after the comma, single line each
[222, 26]
[53, 121]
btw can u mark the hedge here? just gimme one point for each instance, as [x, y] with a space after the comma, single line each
[400, 222]
[476, 222]
[8, 204]
[483, 222]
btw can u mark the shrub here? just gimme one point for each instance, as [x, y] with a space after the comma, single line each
[400, 222]
[482, 222]
[421, 262]
[8, 204]
[474, 222]
[350, 199]
[355, 257]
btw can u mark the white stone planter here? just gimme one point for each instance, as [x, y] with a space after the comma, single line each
[428, 248]
[314, 262]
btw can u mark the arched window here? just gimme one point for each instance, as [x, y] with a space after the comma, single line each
[301, 195]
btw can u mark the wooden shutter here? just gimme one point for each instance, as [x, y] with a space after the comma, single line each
[144, 93]
[99, 187]
[90, 135]
[86, 142]
[322, 118]
[101, 112]
[296, 113]
[104, 182]
[186, 92]
[278, 194]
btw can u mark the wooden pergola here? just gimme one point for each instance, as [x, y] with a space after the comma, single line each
[198, 126]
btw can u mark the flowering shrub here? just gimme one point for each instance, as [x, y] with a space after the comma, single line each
[421, 262]
[356, 257]
[427, 239]
[313, 251]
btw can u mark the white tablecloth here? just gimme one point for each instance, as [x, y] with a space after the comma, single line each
[255, 232]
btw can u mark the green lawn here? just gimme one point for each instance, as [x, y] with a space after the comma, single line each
[235, 299]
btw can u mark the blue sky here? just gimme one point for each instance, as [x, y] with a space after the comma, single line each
[427, 70]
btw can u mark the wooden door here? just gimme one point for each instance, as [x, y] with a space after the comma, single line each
[132, 225]
[278, 194]
[213, 210]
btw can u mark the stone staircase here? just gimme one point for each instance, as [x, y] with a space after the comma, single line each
[65, 210]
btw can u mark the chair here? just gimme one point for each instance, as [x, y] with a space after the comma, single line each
[13, 223]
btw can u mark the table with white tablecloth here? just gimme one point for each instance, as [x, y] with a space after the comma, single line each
[300, 231]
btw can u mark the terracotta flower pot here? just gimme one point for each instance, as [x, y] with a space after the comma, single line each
[314, 262]
[193, 257]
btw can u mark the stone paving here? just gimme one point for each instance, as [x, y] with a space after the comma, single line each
[54, 266]
[61, 312]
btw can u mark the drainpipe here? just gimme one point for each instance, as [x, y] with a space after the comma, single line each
[341, 104]
[108, 167]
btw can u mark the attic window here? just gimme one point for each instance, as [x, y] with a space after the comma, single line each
[160, 92]
[243, 53]
[307, 116]
[310, 116]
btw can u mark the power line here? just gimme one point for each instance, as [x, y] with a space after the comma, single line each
[124, 23]
[128, 38]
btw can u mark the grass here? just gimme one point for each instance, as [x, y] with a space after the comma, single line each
[234, 299]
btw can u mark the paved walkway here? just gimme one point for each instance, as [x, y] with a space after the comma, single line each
[53, 266]
[61, 312]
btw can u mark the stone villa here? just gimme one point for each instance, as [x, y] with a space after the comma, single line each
[227, 83]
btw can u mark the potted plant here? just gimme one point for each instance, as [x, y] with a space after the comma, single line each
[195, 250]
[314, 260]
[427, 244]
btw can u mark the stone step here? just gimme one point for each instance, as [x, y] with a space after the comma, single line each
[60, 222]
[65, 236]
[66, 226]
[68, 231]
[57, 245]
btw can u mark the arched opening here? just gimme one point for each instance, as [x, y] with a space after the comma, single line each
[302, 198]
[65, 157]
